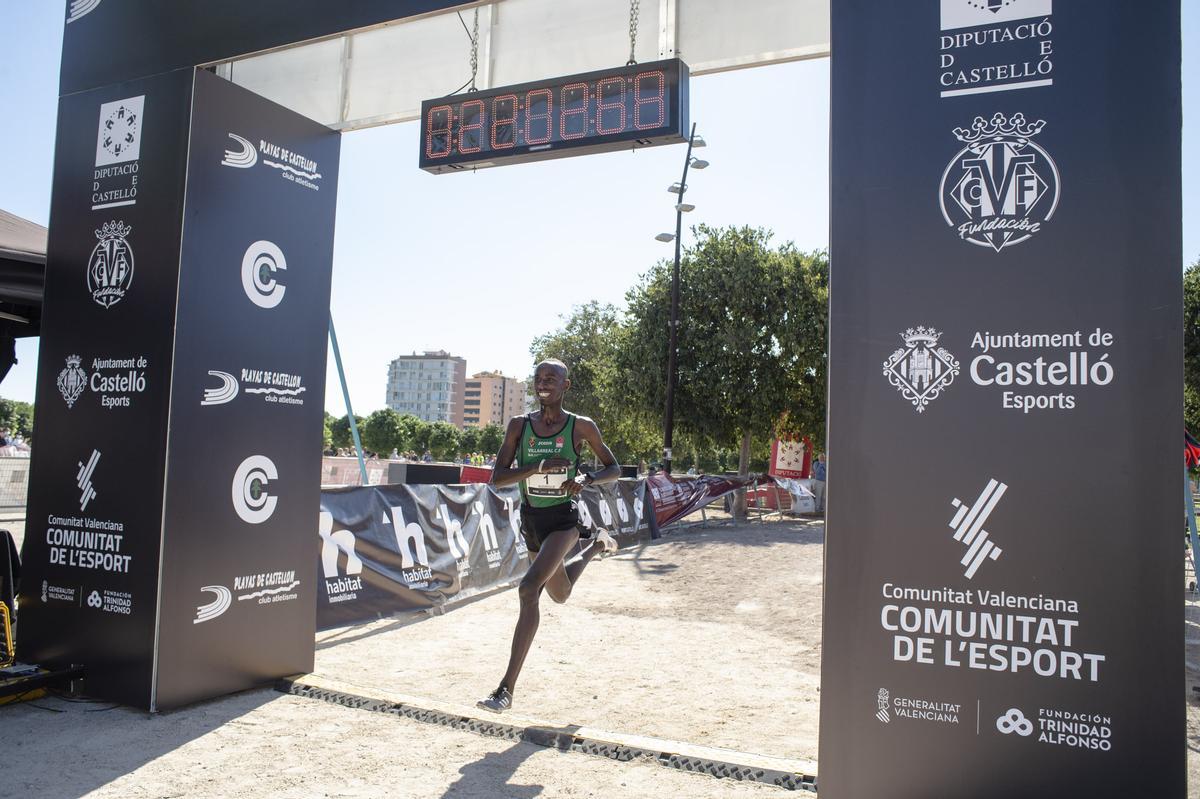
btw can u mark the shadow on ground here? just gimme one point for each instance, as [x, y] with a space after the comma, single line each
[116, 740]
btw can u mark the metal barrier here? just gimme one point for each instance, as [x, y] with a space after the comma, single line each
[14, 482]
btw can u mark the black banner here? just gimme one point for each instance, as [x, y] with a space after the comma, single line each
[92, 539]
[1006, 330]
[108, 41]
[244, 470]
[396, 548]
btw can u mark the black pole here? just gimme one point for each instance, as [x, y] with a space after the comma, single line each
[669, 420]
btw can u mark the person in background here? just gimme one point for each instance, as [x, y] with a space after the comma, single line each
[818, 472]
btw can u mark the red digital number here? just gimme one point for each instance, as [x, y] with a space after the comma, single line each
[650, 89]
[504, 122]
[437, 131]
[535, 98]
[573, 122]
[610, 112]
[470, 135]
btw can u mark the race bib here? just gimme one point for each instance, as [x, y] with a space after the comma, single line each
[547, 484]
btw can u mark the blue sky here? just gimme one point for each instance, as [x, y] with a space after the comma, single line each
[479, 264]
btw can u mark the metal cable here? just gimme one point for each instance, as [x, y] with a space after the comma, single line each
[634, 11]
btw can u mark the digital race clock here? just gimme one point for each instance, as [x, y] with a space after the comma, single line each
[642, 105]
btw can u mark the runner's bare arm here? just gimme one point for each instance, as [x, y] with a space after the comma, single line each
[588, 431]
[503, 473]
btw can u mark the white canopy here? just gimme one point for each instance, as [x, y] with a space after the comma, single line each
[380, 75]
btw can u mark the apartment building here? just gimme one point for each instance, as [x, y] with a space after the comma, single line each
[492, 398]
[429, 386]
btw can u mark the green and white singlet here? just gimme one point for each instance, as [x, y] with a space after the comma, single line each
[548, 489]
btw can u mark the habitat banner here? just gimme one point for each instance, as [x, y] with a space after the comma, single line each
[1006, 336]
[396, 548]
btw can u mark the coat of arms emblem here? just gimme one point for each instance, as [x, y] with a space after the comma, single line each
[921, 370]
[72, 380]
[1001, 187]
[110, 269]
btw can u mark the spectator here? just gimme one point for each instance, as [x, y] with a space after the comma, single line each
[427, 457]
[818, 485]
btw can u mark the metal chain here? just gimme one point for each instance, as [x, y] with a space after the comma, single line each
[475, 51]
[634, 10]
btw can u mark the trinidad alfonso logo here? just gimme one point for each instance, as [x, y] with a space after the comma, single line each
[110, 268]
[921, 370]
[1001, 187]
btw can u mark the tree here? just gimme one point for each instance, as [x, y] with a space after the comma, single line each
[17, 416]
[490, 438]
[1191, 346]
[443, 440]
[421, 431]
[384, 431]
[751, 340]
[468, 439]
[340, 430]
[327, 433]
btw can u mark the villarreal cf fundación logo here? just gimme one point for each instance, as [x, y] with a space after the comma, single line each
[110, 269]
[921, 370]
[1002, 187]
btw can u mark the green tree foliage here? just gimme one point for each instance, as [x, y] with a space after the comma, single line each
[468, 440]
[383, 431]
[490, 438]
[327, 433]
[752, 346]
[17, 416]
[421, 431]
[443, 440]
[340, 431]
[1191, 347]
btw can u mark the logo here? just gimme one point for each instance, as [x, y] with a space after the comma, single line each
[259, 266]
[335, 543]
[1002, 187]
[80, 9]
[921, 370]
[110, 267]
[83, 479]
[250, 498]
[558, 442]
[273, 587]
[969, 13]
[45, 591]
[242, 158]
[223, 394]
[215, 608]
[1014, 721]
[119, 138]
[94, 600]
[882, 701]
[968, 529]
[72, 380]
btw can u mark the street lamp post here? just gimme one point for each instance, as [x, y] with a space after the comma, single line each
[672, 346]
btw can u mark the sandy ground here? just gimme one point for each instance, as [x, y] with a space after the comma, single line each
[710, 636]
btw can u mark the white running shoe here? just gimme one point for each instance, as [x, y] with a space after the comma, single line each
[607, 542]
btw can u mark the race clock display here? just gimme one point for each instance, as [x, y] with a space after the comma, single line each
[641, 105]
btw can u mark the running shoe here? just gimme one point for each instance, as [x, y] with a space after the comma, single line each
[607, 543]
[497, 701]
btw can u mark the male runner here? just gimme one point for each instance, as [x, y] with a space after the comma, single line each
[545, 445]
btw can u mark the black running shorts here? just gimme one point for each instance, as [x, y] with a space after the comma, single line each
[538, 523]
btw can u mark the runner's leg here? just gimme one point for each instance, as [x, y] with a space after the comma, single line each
[549, 559]
[565, 576]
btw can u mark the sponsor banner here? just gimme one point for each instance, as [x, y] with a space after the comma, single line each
[396, 548]
[790, 458]
[91, 547]
[203, 31]
[1004, 328]
[677, 497]
[238, 590]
